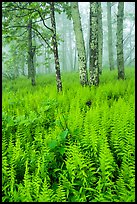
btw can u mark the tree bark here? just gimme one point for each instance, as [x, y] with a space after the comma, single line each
[23, 65]
[70, 46]
[94, 63]
[31, 53]
[33, 82]
[120, 55]
[110, 44]
[80, 43]
[55, 48]
[100, 37]
[63, 49]
[75, 59]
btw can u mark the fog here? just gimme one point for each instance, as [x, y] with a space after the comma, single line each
[68, 55]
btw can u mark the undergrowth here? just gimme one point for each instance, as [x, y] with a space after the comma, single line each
[75, 146]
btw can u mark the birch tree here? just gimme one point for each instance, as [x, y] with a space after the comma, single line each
[55, 48]
[110, 44]
[94, 62]
[120, 55]
[100, 37]
[80, 43]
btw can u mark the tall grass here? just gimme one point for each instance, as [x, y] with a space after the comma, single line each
[57, 148]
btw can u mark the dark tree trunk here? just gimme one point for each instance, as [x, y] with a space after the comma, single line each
[32, 67]
[29, 47]
[120, 55]
[31, 53]
[55, 48]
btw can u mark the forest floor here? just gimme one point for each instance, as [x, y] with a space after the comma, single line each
[77, 146]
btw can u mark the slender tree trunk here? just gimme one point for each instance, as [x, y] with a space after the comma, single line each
[45, 56]
[33, 82]
[64, 66]
[130, 41]
[70, 47]
[23, 65]
[100, 37]
[49, 61]
[110, 45]
[75, 58]
[80, 43]
[130, 49]
[31, 53]
[16, 64]
[94, 64]
[87, 46]
[35, 57]
[120, 55]
[55, 48]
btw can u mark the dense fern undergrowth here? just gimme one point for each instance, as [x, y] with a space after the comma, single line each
[78, 145]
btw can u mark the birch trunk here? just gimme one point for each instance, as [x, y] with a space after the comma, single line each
[120, 55]
[110, 45]
[55, 48]
[100, 37]
[80, 43]
[94, 64]
[64, 65]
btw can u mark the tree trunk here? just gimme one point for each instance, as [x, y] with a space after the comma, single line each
[87, 46]
[70, 46]
[31, 52]
[94, 64]
[23, 65]
[64, 66]
[35, 57]
[100, 37]
[110, 46]
[55, 48]
[29, 47]
[75, 59]
[80, 43]
[16, 66]
[32, 67]
[120, 55]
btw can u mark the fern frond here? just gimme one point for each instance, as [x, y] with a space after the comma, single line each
[60, 194]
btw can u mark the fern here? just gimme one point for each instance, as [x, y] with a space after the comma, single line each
[5, 182]
[26, 189]
[57, 149]
[60, 194]
[36, 182]
[46, 194]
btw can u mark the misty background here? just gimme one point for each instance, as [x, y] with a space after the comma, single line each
[13, 59]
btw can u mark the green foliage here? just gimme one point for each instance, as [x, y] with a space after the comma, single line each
[56, 148]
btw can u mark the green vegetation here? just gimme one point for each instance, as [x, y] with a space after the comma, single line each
[58, 147]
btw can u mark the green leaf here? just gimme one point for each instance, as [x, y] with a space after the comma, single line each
[61, 150]
[64, 134]
[52, 144]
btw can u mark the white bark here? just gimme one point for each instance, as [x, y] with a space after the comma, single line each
[80, 43]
